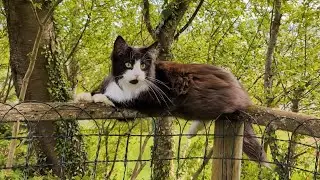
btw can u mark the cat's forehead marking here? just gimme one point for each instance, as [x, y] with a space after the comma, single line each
[138, 56]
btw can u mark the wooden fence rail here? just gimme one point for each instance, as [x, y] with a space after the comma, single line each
[227, 151]
[282, 120]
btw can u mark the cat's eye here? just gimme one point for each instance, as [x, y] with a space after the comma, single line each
[142, 66]
[128, 65]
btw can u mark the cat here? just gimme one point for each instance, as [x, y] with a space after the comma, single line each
[195, 92]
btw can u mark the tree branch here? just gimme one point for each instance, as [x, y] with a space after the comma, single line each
[189, 21]
[274, 30]
[166, 28]
[86, 25]
[146, 18]
[8, 77]
[34, 9]
[51, 11]
[205, 162]
[10, 86]
[268, 72]
[139, 165]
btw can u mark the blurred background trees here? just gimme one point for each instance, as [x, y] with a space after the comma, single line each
[78, 39]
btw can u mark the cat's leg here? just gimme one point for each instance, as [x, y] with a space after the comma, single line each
[86, 97]
[196, 126]
[102, 98]
[83, 97]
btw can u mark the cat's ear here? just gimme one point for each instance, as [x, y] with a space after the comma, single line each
[153, 49]
[120, 45]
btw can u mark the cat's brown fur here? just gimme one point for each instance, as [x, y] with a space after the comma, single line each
[203, 91]
[191, 91]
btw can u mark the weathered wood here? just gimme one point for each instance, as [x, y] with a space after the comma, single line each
[227, 150]
[284, 120]
[62, 111]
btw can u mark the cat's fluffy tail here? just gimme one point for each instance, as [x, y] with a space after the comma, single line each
[252, 147]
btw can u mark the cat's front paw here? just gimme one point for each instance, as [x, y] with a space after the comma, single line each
[83, 97]
[102, 98]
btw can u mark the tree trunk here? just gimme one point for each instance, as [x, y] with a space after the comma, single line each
[22, 30]
[164, 34]
[163, 144]
[163, 151]
[270, 138]
[275, 24]
[268, 80]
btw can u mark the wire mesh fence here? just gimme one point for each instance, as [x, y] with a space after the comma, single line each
[119, 144]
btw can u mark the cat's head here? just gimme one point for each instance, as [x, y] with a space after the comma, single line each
[132, 66]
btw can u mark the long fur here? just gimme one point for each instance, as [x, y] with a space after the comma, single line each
[191, 91]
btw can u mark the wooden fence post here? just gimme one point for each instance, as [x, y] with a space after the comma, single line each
[227, 150]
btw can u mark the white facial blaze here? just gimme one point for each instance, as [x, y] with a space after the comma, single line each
[135, 73]
[128, 91]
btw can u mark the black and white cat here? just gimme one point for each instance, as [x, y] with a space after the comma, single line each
[195, 92]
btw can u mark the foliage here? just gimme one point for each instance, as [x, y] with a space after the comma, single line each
[232, 34]
[69, 144]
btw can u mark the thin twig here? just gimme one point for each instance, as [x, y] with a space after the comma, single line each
[35, 12]
[222, 37]
[5, 83]
[86, 25]
[32, 63]
[137, 170]
[255, 81]
[189, 21]
[146, 18]
[205, 162]
[115, 157]
[4, 100]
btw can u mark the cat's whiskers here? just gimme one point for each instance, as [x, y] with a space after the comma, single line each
[161, 89]
[152, 86]
[155, 94]
[164, 94]
[149, 92]
[158, 81]
[160, 95]
[160, 92]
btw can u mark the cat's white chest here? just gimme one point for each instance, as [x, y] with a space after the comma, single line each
[124, 94]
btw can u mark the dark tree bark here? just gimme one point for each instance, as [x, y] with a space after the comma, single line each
[22, 29]
[23, 26]
[268, 80]
[270, 139]
[164, 33]
[166, 29]
[274, 30]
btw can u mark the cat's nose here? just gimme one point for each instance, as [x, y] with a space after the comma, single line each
[134, 81]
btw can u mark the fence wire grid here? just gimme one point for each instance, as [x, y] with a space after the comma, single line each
[106, 148]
